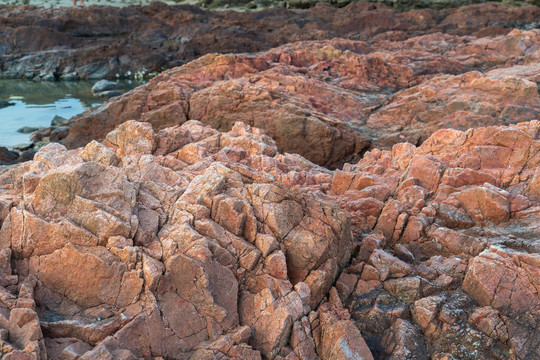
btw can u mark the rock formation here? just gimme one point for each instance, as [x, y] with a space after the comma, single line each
[197, 243]
[101, 42]
[331, 100]
[325, 199]
[178, 239]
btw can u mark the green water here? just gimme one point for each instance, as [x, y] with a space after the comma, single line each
[35, 104]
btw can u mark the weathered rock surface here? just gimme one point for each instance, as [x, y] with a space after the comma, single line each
[100, 42]
[448, 262]
[196, 243]
[198, 216]
[177, 244]
[332, 100]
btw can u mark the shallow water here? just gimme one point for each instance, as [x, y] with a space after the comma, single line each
[35, 104]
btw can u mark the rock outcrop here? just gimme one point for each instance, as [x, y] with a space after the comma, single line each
[332, 100]
[176, 244]
[325, 199]
[196, 243]
[101, 42]
[448, 263]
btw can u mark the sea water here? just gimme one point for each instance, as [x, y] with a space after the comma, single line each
[35, 104]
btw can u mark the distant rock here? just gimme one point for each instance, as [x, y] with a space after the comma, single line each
[29, 129]
[4, 103]
[91, 43]
[105, 88]
[108, 94]
[402, 5]
[58, 120]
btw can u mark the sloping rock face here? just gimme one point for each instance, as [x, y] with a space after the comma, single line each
[177, 244]
[193, 243]
[101, 42]
[332, 100]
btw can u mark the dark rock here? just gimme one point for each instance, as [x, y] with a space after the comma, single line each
[101, 42]
[72, 76]
[108, 94]
[103, 86]
[58, 120]
[29, 129]
[26, 155]
[7, 156]
[4, 103]
[22, 147]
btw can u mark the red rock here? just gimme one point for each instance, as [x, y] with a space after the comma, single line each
[457, 243]
[507, 281]
[484, 204]
[339, 337]
[304, 96]
[346, 284]
[503, 269]
[388, 265]
[128, 252]
[425, 310]
[487, 320]
[207, 241]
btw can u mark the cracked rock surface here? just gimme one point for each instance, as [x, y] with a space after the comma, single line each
[334, 199]
[332, 100]
[196, 243]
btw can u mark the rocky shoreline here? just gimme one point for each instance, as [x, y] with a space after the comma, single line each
[358, 183]
[402, 5]
[91, 43]
[100, 42]
[332, 100]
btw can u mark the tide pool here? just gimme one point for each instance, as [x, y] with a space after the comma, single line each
[35, 104]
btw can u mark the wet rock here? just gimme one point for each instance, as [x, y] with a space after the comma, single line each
[105, 88]
[28, 129]
[4, 103]
[58, 121]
